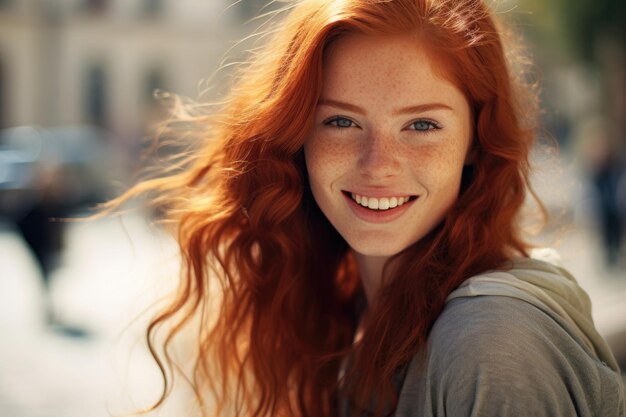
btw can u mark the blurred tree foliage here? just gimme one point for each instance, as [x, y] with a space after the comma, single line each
[590, 21]
[590, 37]
[578, 25]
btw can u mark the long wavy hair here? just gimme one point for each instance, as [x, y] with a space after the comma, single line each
[271, 286]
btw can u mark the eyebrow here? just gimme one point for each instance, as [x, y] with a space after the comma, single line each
[397, 112]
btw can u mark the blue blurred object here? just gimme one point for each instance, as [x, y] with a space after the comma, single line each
[72, 162]
[17, 159]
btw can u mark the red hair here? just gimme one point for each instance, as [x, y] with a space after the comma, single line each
[273, 283]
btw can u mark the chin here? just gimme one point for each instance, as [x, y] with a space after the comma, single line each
[377, 249]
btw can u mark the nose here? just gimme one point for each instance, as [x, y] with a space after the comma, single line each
[379, 158]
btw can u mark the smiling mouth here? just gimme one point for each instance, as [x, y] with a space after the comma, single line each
[380, 204]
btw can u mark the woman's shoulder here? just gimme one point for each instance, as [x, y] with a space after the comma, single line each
[538, 296]
[504, 348]
[497, 327]
[502, 356]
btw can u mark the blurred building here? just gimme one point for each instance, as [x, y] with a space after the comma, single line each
[67, 62]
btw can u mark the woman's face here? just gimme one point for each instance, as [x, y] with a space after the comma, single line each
[388, 144]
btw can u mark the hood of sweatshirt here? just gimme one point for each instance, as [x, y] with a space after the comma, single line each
[550, 288]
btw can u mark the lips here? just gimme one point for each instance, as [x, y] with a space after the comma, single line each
[379, 209]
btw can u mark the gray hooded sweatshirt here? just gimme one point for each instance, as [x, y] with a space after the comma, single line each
[517, 342]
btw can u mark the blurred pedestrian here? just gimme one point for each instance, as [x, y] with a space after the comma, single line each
[40, 224]
[606, 167]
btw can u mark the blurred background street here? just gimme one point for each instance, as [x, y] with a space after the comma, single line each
[77, 83]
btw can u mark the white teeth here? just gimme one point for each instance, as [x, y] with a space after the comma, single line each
[384, 203]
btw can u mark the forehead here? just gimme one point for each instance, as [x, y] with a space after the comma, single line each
[384, 65]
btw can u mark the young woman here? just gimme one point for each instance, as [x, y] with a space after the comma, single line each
[349, 229]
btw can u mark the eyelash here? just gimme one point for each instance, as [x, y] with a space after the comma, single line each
[431, 125]
[332, 122]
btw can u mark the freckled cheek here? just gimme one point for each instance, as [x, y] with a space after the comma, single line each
[325, 161]
[438, 167]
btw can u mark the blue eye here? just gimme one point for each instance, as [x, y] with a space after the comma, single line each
[339, 122]
[423, 125]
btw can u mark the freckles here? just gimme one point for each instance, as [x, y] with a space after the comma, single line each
[333, 155]
[437, 161]
[391, 151]
[328, 157]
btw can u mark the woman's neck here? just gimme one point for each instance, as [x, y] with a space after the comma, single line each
[371, 272]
